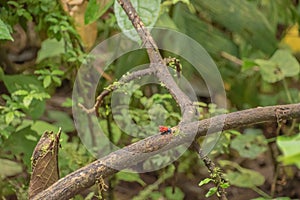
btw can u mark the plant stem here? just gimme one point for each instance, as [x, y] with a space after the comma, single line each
[262, 193]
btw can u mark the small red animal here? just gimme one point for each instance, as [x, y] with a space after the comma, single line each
[164, 130]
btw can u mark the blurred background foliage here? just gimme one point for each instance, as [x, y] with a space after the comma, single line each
[255, 44]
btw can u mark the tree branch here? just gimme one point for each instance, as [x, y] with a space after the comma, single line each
[85, 177]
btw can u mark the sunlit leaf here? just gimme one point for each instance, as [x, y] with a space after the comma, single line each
[289, 145]
[4, 32]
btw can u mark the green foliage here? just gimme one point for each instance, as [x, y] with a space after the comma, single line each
[4, 32]
[289, 145]
[148, 11]
[95, 10]
[242, 177]
[130, 177]
[256, 73]
[250, 144]
[282, 64]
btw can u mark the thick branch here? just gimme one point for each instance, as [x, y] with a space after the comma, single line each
[85, 177]
[157, 62]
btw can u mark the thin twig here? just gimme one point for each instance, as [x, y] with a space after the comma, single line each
[125, 79]
[213, 170]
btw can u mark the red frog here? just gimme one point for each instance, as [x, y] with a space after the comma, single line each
[164, 130]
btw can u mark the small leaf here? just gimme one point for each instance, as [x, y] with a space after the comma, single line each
[250, 144]
[9, 117]
[225, 185]
[289, 145]
[57, 72]
[205, 181]
[47, 81]
[95, 9]
[20, 92]
[50, 48]
[4, 32]
[57, 80]
[211, 192]
[148, 11]
[130, 177]
[27, 100]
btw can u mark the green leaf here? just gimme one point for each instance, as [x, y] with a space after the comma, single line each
[27, 100]
[50, 48]
[148, 11]
[20, 146]
[176, 195]
[47, 81]
[41, 126]
[9, 168]
[95, 9]
[211, 192]
[4, 32]
[9, 117]
[250, 144]
[289, 145]
[57, 80]
[245, 178]
[20, 92]
[205, 181]
[212, 39]
[282, 64]
[57, 72]
[130, 177]
[287, 63]
[243, 18]
[61, 119]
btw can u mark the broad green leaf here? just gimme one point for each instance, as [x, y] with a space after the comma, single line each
[148, 11]
[213, 40]
[269, 71]
[4, 32]
[19, 145]
[245, 178]
[50, 48]
[250, 144]
[289, 145]
[47, 81]
[22, 82]
[61, 119]
[41, 126]
[243, 18]
[95, 9]
[287, 63]
[282, 64]
[130, 177]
